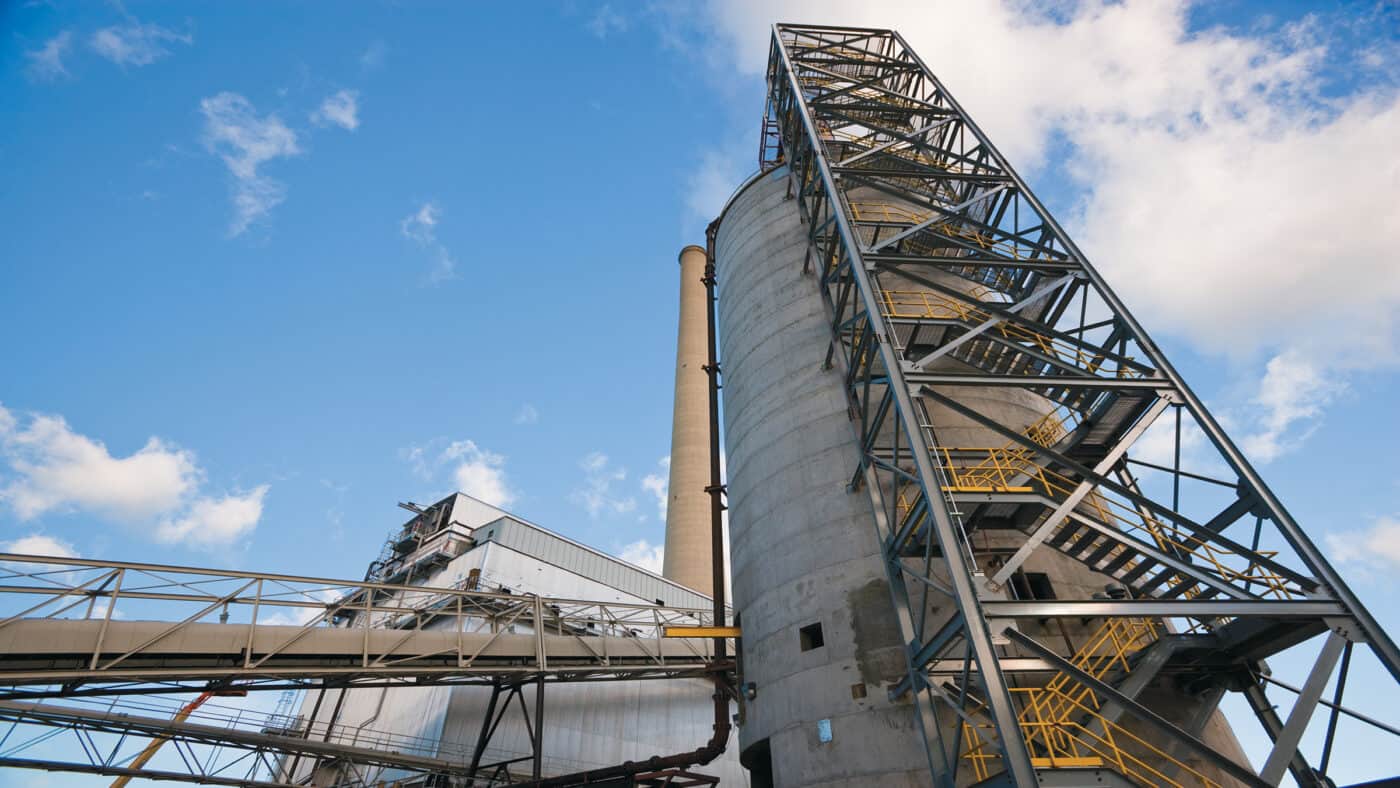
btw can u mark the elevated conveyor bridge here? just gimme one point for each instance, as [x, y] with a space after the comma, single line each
[76, 632]
[75, 626]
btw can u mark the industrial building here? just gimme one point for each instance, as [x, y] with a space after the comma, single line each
[952, 563]
[460, 542]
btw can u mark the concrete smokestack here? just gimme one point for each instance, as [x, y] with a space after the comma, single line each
[688, 559]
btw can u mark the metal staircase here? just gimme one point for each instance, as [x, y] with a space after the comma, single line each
[942, 273]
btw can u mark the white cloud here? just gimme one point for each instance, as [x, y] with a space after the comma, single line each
[527, 414]
[244, 141]
[341, 108]
[421, 228]
[479, 473]
[373, 56]
[135, 44]
[215, 522]
[718, 173]
[1225, 190]
[38, 544]
[419, 225]
[287, 616]
[657, 484]
[56, 470]
[606, 21]
[46, 62]
[473, 470]
[644, 554]
[596, 495]
[1376, 548]
[1290, 400]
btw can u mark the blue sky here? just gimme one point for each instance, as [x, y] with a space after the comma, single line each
[268, 270]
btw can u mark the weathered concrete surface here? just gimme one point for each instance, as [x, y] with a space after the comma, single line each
[803, 549]
[688, 559]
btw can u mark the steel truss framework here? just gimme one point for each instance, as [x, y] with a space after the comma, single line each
[214, 749]
[72, 626]
[79, 630]
[900, 189]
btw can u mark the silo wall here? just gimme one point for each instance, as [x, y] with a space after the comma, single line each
[804, 551]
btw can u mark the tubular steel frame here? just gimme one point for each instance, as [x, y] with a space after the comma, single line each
[854, 112]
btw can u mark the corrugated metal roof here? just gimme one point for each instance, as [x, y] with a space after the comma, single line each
[579, 559]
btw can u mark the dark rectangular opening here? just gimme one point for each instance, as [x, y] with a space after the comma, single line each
[1031, 585]
[810, 637]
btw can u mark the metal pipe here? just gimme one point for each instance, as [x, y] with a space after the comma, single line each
[716, 745]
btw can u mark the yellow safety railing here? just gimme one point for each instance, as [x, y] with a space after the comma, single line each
[1080, 736]
[924, 304]
[894, 214]
[1004, 464]
[1172, 538]
[908, 154]
[1063, 727]
[1002, 468]
[1014, 468]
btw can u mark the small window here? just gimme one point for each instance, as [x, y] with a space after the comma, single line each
[810, 637]
[1031, 585]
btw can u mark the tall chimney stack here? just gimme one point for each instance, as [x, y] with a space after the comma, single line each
[688, 559]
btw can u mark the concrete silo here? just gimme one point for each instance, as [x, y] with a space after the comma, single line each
[821, 644]
[945, 568]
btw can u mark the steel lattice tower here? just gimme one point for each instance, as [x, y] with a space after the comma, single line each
[1205, 572]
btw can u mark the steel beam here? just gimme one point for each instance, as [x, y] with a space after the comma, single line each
[1142, 713]
[1017, 758]
[1162, 608]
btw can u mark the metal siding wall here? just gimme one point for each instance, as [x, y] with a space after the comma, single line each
[573, 558]
[598, 724]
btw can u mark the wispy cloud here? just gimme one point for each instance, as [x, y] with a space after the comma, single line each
[55, 469]
[341, 108]
[46, 62]
[373, 56]
[135, 44]
[527, 414]
[657, 484]
[213, 522]
[1160, 127]
[472, 469]
[39, 544]
[596, 494]
[421, 228]
[1370, 550]
[606, 21]
[715, 176]
[1291, 398]
[644, 554]
[245, 141]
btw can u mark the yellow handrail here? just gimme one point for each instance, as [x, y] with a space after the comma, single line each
[925, 304]
[1062, 725]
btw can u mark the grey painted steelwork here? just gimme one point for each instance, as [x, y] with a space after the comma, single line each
[499, 610]
[897, 189]
[60, 629]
